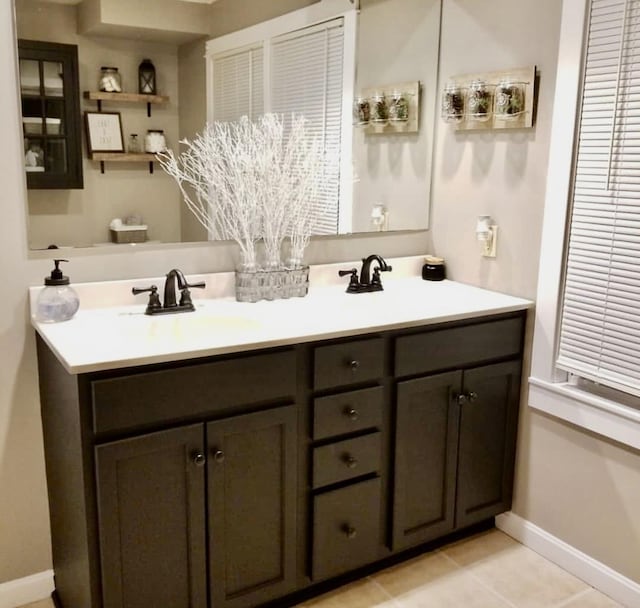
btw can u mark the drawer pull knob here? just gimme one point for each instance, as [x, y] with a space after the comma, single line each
[354, 365]
[218, 456]
[350, 461]
[199, 459]
[350, 531]
[352, 414]
[460, 399]
[472, 396]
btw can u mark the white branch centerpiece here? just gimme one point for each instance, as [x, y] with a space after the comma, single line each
[255, 183]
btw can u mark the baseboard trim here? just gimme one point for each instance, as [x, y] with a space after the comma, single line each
[591, 571]
[26, 590]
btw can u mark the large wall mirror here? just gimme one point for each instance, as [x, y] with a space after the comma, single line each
[397, 42]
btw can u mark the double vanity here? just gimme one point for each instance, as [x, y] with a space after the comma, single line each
[242, 453]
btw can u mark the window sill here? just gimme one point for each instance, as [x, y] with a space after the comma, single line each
[602, 416]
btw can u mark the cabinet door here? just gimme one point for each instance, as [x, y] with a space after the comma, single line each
[488, 427]
[252, 500]
[49, 93]
[151, 513]
[425, 463]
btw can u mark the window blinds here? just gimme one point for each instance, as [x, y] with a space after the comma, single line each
[238, 84]
[306, 78]
[600, 327]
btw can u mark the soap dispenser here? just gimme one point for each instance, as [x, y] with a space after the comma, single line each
[58, 301]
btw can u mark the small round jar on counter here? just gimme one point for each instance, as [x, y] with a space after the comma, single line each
[155, 141]
[433, 269]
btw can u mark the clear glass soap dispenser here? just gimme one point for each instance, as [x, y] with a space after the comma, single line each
[58, 301]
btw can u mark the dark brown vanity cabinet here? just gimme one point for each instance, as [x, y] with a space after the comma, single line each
[235, 481]
[50, 99]
[152, 513]
[455, 431]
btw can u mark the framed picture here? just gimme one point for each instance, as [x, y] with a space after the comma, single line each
[104, 132]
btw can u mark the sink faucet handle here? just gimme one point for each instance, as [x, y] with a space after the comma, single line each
[154, 298]
[185, 294]
[354, 284]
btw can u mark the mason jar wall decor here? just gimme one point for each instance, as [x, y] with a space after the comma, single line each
[379, 109]
[453, 103]
[509, 100]
[361, 111]
[480, 101]
[491, 100]
[398, 107]
[388, 109]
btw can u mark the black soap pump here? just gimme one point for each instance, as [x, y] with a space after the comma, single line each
[58, 301]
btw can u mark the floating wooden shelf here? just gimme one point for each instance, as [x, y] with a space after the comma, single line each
[131, 97]
[100, 96]
[123, 157]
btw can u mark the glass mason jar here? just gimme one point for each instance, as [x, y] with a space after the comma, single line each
[110, 80]
[479, 101]
[134, 144]
[379, 109]
[453, 103]
[154, 141]
[509, 100]
[398, 107]
[361, 111]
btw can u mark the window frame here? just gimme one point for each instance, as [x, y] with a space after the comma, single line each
[317, 13]
[551, 390]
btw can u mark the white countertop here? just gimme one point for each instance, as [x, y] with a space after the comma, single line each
[120, 335]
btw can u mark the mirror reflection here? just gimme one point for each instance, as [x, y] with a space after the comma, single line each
[385, 167]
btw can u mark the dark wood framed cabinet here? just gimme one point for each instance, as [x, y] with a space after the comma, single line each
[50, 99]
[244, 480]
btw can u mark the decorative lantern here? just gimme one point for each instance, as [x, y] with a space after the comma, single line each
[147, 78]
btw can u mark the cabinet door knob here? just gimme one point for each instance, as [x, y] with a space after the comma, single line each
[350, 460]
[218, 456]
[472, 396]
[351, 413]
[354, 364]
[460, 399]
[199, 459]
[349, 530]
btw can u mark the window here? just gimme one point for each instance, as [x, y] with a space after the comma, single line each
[587, 329]
[303, 63]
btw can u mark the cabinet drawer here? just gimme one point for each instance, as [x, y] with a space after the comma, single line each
[348, 363]
[346, 528]
[343, 460]
[175, 394]
[448, 348]
[347, 412]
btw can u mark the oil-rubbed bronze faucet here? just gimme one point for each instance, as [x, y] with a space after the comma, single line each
[174, 276]
[366, 283]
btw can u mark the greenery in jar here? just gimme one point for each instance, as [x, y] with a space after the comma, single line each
[453, 104]
[399, 107]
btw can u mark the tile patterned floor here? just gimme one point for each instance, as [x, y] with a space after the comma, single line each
[488, 570]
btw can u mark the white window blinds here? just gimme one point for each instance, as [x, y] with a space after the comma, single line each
[600, 329]
[238, 84]
[306, 78]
